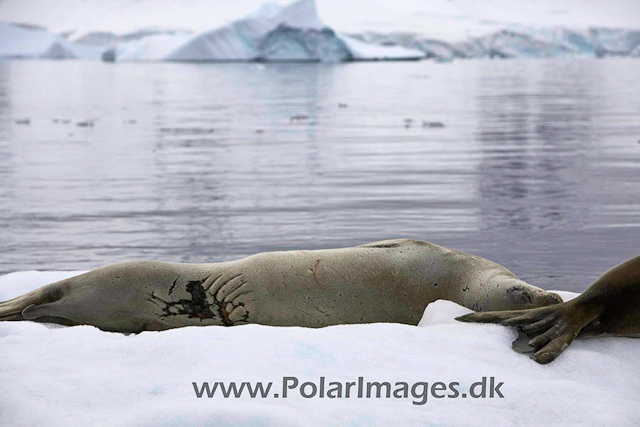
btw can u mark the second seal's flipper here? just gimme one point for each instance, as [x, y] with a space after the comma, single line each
[521, 343]
[549, 329]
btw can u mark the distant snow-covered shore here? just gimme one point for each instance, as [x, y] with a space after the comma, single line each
[295, 33]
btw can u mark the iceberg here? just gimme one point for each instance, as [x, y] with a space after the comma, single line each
[521, 42]
[578, 42]
[295, 33]
[363, 51]
[553, 43]
[272, 34]
[429, 47]
[93, 38]
[298, 44]
[18, 41]
[241, 40]
[60, 376]
[614, 42]
[291, 33]
[145, 46]
[512, 44]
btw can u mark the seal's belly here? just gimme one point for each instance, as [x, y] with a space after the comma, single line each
[321, 288]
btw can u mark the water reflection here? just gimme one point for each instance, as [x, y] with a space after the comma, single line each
[201, 162]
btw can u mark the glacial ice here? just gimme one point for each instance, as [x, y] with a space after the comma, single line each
[295, 32]
[25, 42]
[521, 42]
[297, 44]
[153, 47]
[273, 33]
[292, 33]
[368, 51]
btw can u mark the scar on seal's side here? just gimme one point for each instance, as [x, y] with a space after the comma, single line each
[387, 281]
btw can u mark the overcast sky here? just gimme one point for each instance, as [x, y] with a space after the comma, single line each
[445, 19]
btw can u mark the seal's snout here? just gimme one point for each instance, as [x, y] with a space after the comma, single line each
[547, 298]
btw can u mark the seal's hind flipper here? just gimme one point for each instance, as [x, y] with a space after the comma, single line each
[48, 310]
[13, 309]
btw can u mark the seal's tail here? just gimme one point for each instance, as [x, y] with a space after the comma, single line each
[13, 309]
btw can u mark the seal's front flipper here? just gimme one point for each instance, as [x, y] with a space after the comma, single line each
[510, 317]
[550, 330]
[552, 343]
[521, 343]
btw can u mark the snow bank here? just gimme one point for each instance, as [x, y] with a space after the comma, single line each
[56, 376]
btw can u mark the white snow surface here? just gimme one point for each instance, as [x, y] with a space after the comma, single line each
[59, 376]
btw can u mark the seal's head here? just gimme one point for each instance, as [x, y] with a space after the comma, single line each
[611, 306]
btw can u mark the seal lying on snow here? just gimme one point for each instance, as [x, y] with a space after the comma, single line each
[611, 306]
[388, 281]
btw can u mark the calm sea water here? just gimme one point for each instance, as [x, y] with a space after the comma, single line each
[537, 165]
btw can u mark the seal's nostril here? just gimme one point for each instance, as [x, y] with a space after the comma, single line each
[554, 299]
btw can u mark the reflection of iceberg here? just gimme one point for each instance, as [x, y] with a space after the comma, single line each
[20, 41]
